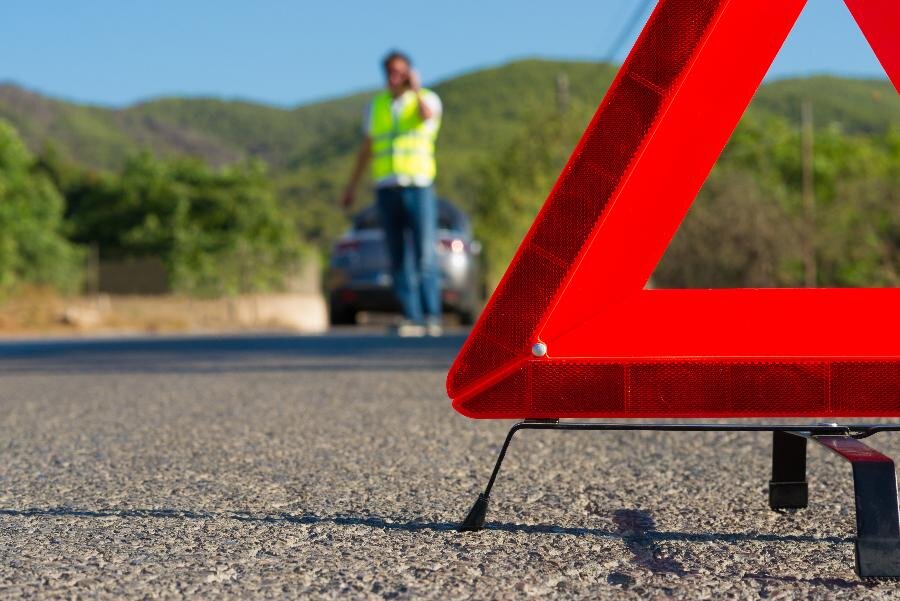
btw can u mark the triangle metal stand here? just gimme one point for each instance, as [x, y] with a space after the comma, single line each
[874, 479]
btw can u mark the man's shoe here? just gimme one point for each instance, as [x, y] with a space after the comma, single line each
[410, 329]
[434, 328]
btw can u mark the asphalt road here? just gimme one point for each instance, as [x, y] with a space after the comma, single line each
[334, 466]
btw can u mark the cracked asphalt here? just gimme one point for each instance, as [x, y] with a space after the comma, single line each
[334, 466]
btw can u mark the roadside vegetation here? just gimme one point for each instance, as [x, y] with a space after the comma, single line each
[748, 226]
[217, 231]
[34, 248]
[232, 196]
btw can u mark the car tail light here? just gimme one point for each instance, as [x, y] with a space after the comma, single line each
[452, 245]
[345, 246]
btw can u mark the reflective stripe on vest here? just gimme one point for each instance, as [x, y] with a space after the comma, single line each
[403, 145]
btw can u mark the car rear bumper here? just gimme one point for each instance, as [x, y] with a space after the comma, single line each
[368, 298]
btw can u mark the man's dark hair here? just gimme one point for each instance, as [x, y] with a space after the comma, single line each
[395, 55]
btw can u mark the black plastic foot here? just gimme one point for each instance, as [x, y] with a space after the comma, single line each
[787, 488]
[878, 557]
[788, 495]
[475, 520]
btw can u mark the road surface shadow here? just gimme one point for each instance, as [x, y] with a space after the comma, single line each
[634, 528]
[637, 529]
[622, 532]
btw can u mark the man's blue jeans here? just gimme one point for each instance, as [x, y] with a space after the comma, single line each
[409, 218]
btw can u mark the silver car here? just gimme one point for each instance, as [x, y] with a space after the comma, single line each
[359, 277]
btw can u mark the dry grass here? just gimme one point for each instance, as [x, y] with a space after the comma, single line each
[30, 309]
[41, 311]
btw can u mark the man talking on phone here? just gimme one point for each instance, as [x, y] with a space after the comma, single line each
[401, 125]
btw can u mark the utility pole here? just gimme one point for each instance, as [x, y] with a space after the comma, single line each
[808, 195]
[93, 270]
[562, 92]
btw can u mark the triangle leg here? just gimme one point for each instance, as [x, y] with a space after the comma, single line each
[877, 516]
[475, 519]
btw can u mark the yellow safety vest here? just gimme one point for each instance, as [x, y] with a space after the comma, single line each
[401, 146]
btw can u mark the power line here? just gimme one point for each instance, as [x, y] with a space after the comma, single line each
[636, 17]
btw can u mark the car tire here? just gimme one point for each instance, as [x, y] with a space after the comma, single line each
[341, 315]
[466, 317]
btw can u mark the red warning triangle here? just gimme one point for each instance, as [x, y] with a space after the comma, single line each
[570, 331]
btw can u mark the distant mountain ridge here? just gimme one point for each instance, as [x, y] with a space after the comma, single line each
[482, 109]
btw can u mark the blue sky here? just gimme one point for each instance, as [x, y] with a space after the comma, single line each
[116, 52]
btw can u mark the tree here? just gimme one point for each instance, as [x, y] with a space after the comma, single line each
[33, 247]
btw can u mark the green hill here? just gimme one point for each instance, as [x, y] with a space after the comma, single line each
[483, 109]
[862, 106]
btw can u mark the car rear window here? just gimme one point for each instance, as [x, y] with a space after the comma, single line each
[449, 218]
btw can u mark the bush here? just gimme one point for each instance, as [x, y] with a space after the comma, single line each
[33, 247]
[218, 231]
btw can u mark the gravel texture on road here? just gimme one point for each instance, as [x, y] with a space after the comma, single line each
[318, 467]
